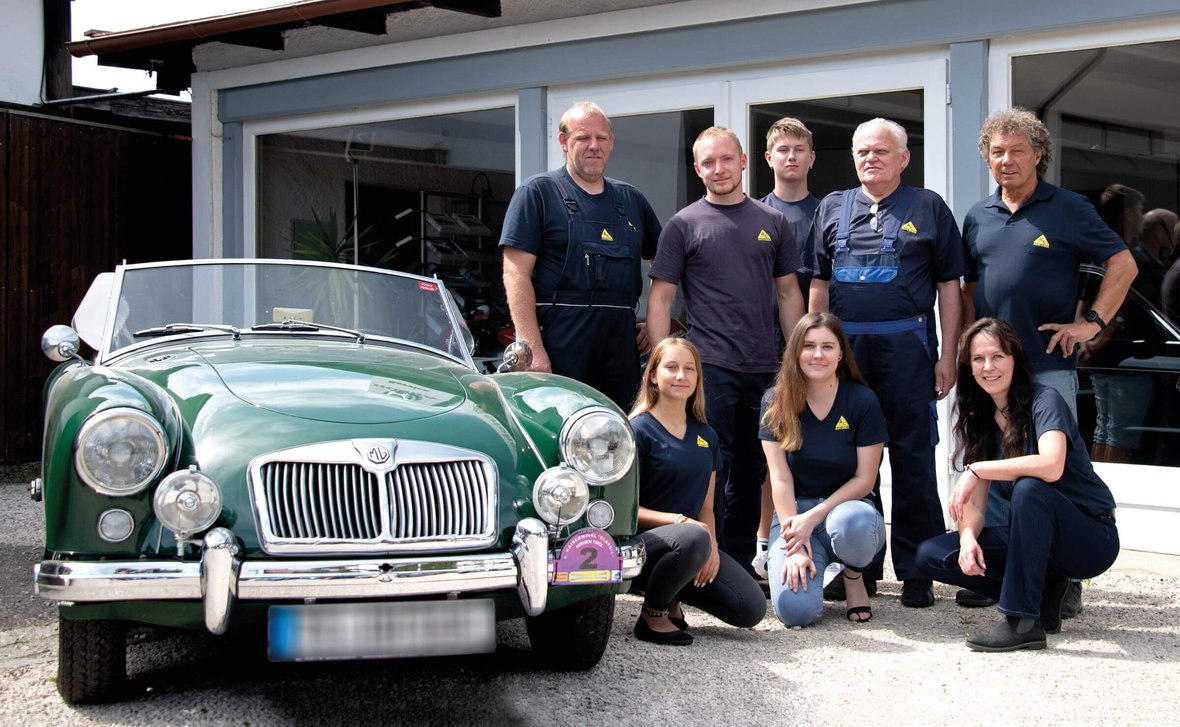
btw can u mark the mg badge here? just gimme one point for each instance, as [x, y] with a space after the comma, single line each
[378, 455]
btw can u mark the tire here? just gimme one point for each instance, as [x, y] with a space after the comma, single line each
[572, 638]
[91, 660]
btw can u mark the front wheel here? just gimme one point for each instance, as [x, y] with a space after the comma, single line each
[91, 660]
[573, 638]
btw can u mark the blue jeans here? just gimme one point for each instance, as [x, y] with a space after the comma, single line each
[1066, 383]
[852, 533]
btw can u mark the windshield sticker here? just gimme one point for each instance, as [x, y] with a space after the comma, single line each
[428, 287]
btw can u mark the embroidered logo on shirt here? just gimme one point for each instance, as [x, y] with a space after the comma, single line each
[1041, 242]
[909, 227]
[842, 424]
[606, 236]
[764, 236]
[701, 442]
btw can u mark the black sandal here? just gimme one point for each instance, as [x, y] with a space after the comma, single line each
[857, 610]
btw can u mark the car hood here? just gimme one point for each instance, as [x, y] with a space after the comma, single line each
[318, 381]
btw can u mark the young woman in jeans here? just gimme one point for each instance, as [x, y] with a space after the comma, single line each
[678, 454]
[822, 433]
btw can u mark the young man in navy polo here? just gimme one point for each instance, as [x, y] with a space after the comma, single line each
[884, 252]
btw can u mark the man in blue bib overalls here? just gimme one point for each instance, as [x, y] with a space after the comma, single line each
[883, 252]
[572, 243]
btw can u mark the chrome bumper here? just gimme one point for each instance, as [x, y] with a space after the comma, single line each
[222, 577]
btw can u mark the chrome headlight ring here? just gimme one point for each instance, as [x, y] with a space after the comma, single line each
[560, 495]
[598, 443]
[120, 451]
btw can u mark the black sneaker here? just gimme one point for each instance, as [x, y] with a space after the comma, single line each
[917, 593]
[1072, 605]
[968, 598]
[1010, 634]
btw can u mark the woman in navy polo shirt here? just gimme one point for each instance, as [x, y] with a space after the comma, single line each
[1020, 443]
[822, 433]
[678, 458]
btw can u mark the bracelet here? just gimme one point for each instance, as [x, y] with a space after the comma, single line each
[967, 468]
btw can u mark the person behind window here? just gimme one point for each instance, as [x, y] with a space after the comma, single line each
[822, 434]
[678, 461]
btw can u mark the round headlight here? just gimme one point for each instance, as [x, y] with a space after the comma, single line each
[598, 443]
[115, 525]
[560, 495]
[600, 514]
[120, 451]
[187, 502]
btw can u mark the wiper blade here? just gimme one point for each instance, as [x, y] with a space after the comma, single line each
[175, 328]
[292, 324]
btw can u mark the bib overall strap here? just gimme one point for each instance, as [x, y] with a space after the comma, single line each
[845, 220]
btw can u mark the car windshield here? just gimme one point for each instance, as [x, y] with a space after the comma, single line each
[233, 298]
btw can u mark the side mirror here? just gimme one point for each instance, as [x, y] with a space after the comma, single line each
[60, 343]
[517, 357]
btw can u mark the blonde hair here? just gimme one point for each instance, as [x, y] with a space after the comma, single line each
[649, 392]
[790, 384]
[788, 127]
[716, 132]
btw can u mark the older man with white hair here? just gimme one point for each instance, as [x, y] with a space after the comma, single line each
[884, 253]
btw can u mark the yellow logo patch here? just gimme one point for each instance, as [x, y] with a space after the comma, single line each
[842, 424]
[606, 237]
[1041, 242]
[763, 236]
[701, 442]
[909, 227]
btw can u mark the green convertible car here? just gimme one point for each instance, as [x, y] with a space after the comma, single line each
[309, 449]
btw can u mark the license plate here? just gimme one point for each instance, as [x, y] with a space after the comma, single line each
[318, 632]
[590, 556]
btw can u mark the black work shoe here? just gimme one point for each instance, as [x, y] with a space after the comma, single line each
[1010, 634]
[917, 593]
[834, 591]
[643, 632]
[1072, 605]
[1051, 601]
[968, 598]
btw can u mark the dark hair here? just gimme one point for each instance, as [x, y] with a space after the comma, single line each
[790, 385]
[975, 431]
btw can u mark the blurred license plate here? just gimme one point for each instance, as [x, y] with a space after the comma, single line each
[381, 630]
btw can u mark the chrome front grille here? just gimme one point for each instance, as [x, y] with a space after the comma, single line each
[340, 497]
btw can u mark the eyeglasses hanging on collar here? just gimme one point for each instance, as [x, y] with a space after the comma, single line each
[874, 222]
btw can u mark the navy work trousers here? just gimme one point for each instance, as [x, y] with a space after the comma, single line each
[900, 370]
[595, 345]
[1047, 537]
[733, 401]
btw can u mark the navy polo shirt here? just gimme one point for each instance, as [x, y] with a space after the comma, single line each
[800, 216]
[673, 472]
[1079, 483]
[1026, 262]
[929, 247]
[538, 222]
[827, 459]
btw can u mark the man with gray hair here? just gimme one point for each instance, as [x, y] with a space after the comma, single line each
[572, 241]
[1026, 243]
[883, 253]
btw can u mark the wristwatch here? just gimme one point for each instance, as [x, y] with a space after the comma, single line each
[1093, 317]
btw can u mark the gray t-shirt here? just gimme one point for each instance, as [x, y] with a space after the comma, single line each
[727, 257]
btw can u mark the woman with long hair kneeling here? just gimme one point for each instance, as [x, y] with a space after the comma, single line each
[678, 457]
[1019, 443]
[822, 433]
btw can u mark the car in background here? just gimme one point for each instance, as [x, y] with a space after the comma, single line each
[309, 449]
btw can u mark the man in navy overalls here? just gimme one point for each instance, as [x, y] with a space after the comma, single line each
[883, 252]
[572, 243]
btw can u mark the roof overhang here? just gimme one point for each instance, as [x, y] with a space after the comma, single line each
[167, 50]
